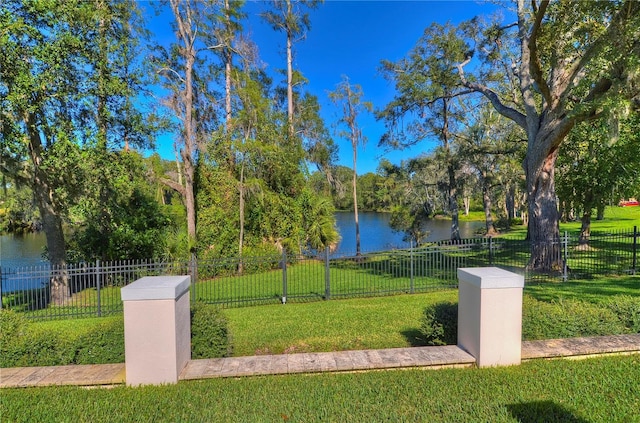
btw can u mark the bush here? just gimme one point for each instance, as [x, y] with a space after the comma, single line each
[23, 343]
[567, 319]
[544, 320]
[37, 347]
[627, 309]
[210, 335]
[104, 343]
[439, 324]
[12, 325]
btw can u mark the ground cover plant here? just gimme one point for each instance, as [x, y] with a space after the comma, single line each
[96, 340]
[604, 389]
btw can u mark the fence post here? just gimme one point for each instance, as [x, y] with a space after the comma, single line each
[412, 286]
[98, 287]
[284, 275]
[0, 287]
[193, 272]
[327, 276]
[565, 247]
[635, 250]
[490, 251]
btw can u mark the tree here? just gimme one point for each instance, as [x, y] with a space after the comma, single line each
[57, 92]
[188, 98]
[428, 97]
[349, 97]
[288, 18]
[486, 147]
[598, 158]
[569, 61]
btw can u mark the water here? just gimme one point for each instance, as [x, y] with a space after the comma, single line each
[22, 250]
[376, 235]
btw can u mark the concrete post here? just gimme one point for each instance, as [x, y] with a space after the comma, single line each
[157, 329]
[490, 315]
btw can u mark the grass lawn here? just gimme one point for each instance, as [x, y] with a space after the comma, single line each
[615, 219]
[605, 389]
[366, 323]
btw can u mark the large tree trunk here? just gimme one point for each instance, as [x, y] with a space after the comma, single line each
[543, 229]
[51, 220]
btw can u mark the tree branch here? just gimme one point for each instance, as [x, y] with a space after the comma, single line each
[173, 185]
[534, 62]
[501, 108]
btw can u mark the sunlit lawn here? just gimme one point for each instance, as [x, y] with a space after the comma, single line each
[594, 390]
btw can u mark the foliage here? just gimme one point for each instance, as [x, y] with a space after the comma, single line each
[40, 344]
[97, 340]
[439, 325]
[121, 219]
[210, 336]
[627, 308]
[598, 165]
[12, 325]
[564, 318]
[104, 343]
[567, 318]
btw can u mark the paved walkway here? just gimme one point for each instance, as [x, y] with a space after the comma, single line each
[339, 361]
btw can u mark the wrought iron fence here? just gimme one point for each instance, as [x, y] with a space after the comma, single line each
[94, 288]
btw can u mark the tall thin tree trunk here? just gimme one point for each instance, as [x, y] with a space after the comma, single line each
[510, 203]
[241, 209]
[355, 199]
[486, 205]
[453, 204]
[290, 73]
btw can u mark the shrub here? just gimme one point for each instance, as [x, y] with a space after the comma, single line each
[104, 343]
[210, 335]
[12, 325]
[627, 309]
[544, 320]
[567, 318]
[37, 347]
[439, 325]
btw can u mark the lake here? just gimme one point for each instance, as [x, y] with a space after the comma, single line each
[375, 235]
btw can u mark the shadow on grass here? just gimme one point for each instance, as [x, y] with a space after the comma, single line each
[542, 411]
[414, 337]
[591, 290]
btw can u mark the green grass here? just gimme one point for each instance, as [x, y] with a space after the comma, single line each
[605, 389]
[615, 219]
[371, 323]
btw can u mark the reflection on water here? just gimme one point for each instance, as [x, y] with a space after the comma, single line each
[376, 235]
[17, 250]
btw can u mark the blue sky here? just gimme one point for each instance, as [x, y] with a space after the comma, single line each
[351, 38]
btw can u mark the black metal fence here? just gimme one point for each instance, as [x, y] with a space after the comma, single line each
[94, 288]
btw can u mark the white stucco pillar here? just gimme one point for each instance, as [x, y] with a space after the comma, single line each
[490, 315]
[157, 329]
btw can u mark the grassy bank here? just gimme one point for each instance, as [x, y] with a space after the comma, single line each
[593, 390]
